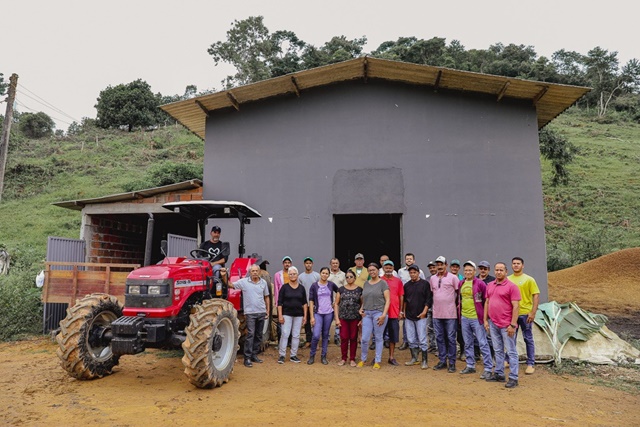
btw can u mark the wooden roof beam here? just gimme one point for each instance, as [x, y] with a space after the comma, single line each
[296, 88]
[503, 90]
[436, 85]
[540, 95]
[202, 107]
[365, 69]
[234, 101]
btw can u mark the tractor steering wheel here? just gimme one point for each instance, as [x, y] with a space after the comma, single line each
[195, 252]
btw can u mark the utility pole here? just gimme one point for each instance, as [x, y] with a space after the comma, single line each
[4, 138]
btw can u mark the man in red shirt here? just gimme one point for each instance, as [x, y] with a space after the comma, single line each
[396, 299]
[501, 318]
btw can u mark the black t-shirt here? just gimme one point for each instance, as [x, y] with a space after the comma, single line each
[416, 295]
[217, 251]
[292, 300]
[488, 280]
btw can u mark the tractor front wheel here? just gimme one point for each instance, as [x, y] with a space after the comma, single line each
[83, 343]
[211, 344]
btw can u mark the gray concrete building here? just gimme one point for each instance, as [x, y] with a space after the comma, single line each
[377, 156]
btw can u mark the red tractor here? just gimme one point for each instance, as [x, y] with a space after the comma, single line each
[177, 302]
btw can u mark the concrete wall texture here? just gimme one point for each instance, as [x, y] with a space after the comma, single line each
[462, 169]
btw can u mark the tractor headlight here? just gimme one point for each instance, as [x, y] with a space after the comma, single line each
[134, 289]
[154, 290]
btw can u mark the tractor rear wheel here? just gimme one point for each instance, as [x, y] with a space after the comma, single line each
[211, 344]
[83, 349]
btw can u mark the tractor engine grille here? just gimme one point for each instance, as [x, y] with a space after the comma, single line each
[148, 293]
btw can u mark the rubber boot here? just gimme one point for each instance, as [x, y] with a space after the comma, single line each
[414, 357]
[424, 360]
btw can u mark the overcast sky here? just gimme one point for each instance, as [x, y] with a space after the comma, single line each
[66, 51]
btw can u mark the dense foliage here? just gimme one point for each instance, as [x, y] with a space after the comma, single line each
[3, 85]
[129, 106]
[36, 125]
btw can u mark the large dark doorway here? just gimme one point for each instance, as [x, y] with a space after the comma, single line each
[370, 234]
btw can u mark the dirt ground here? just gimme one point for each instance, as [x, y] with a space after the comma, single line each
[150, 389]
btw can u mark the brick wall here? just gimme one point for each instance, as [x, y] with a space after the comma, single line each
[114, 241]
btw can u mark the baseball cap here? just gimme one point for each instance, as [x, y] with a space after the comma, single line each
[455, 262]
[388, 262]
[287, 258]
[413, 267]
[484, 264]
[359, 255]
[216, 228]
[441, 259]
[471, 263]
[431, 263]
[307, 259]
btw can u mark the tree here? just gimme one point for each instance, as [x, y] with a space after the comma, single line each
[127, 105]
[607, 80]
[559, 151]
[258, 54]
[36, 125]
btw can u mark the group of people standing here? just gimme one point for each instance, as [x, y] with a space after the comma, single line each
[481, 312]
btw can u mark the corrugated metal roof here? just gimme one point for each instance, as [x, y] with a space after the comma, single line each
[549, 99]
[132, 195]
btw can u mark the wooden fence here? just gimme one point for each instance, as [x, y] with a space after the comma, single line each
[65, 282]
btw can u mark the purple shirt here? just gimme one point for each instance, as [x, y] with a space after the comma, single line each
[324, 300]
[445, 296]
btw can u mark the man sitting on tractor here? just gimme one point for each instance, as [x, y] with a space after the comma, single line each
[218, 251]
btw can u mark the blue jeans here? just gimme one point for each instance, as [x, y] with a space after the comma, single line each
[431, 334]
[255, 325]
[370, 325]
[446, 338]
[527, 334]
[501, 340]
[291, 326]
[473, 328]
[321, 328]
[416, 333]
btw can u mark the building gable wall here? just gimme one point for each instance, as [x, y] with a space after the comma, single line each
[464, 171]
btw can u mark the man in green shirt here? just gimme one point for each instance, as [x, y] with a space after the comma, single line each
[528, 307]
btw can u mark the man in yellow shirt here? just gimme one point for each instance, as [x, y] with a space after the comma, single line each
[361, 273]
[528, 307]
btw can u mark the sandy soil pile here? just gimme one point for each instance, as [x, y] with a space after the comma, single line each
[609, 285]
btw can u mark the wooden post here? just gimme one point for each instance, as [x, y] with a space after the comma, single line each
[4, 138]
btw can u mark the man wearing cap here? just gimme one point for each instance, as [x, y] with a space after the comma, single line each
[418, 298]
[432, 268]
[455, 268]
[255, 300]
[484, 267]
[361, 273]
[473, 293]
[528, 306]
[307, 278]
[218, 251]
[444, 286]
[403, 273]
[501, 318]
[384, 258]
[396, 300]
[336, 276]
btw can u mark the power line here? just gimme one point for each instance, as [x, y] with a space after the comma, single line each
[46, 104]
[35, 111]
